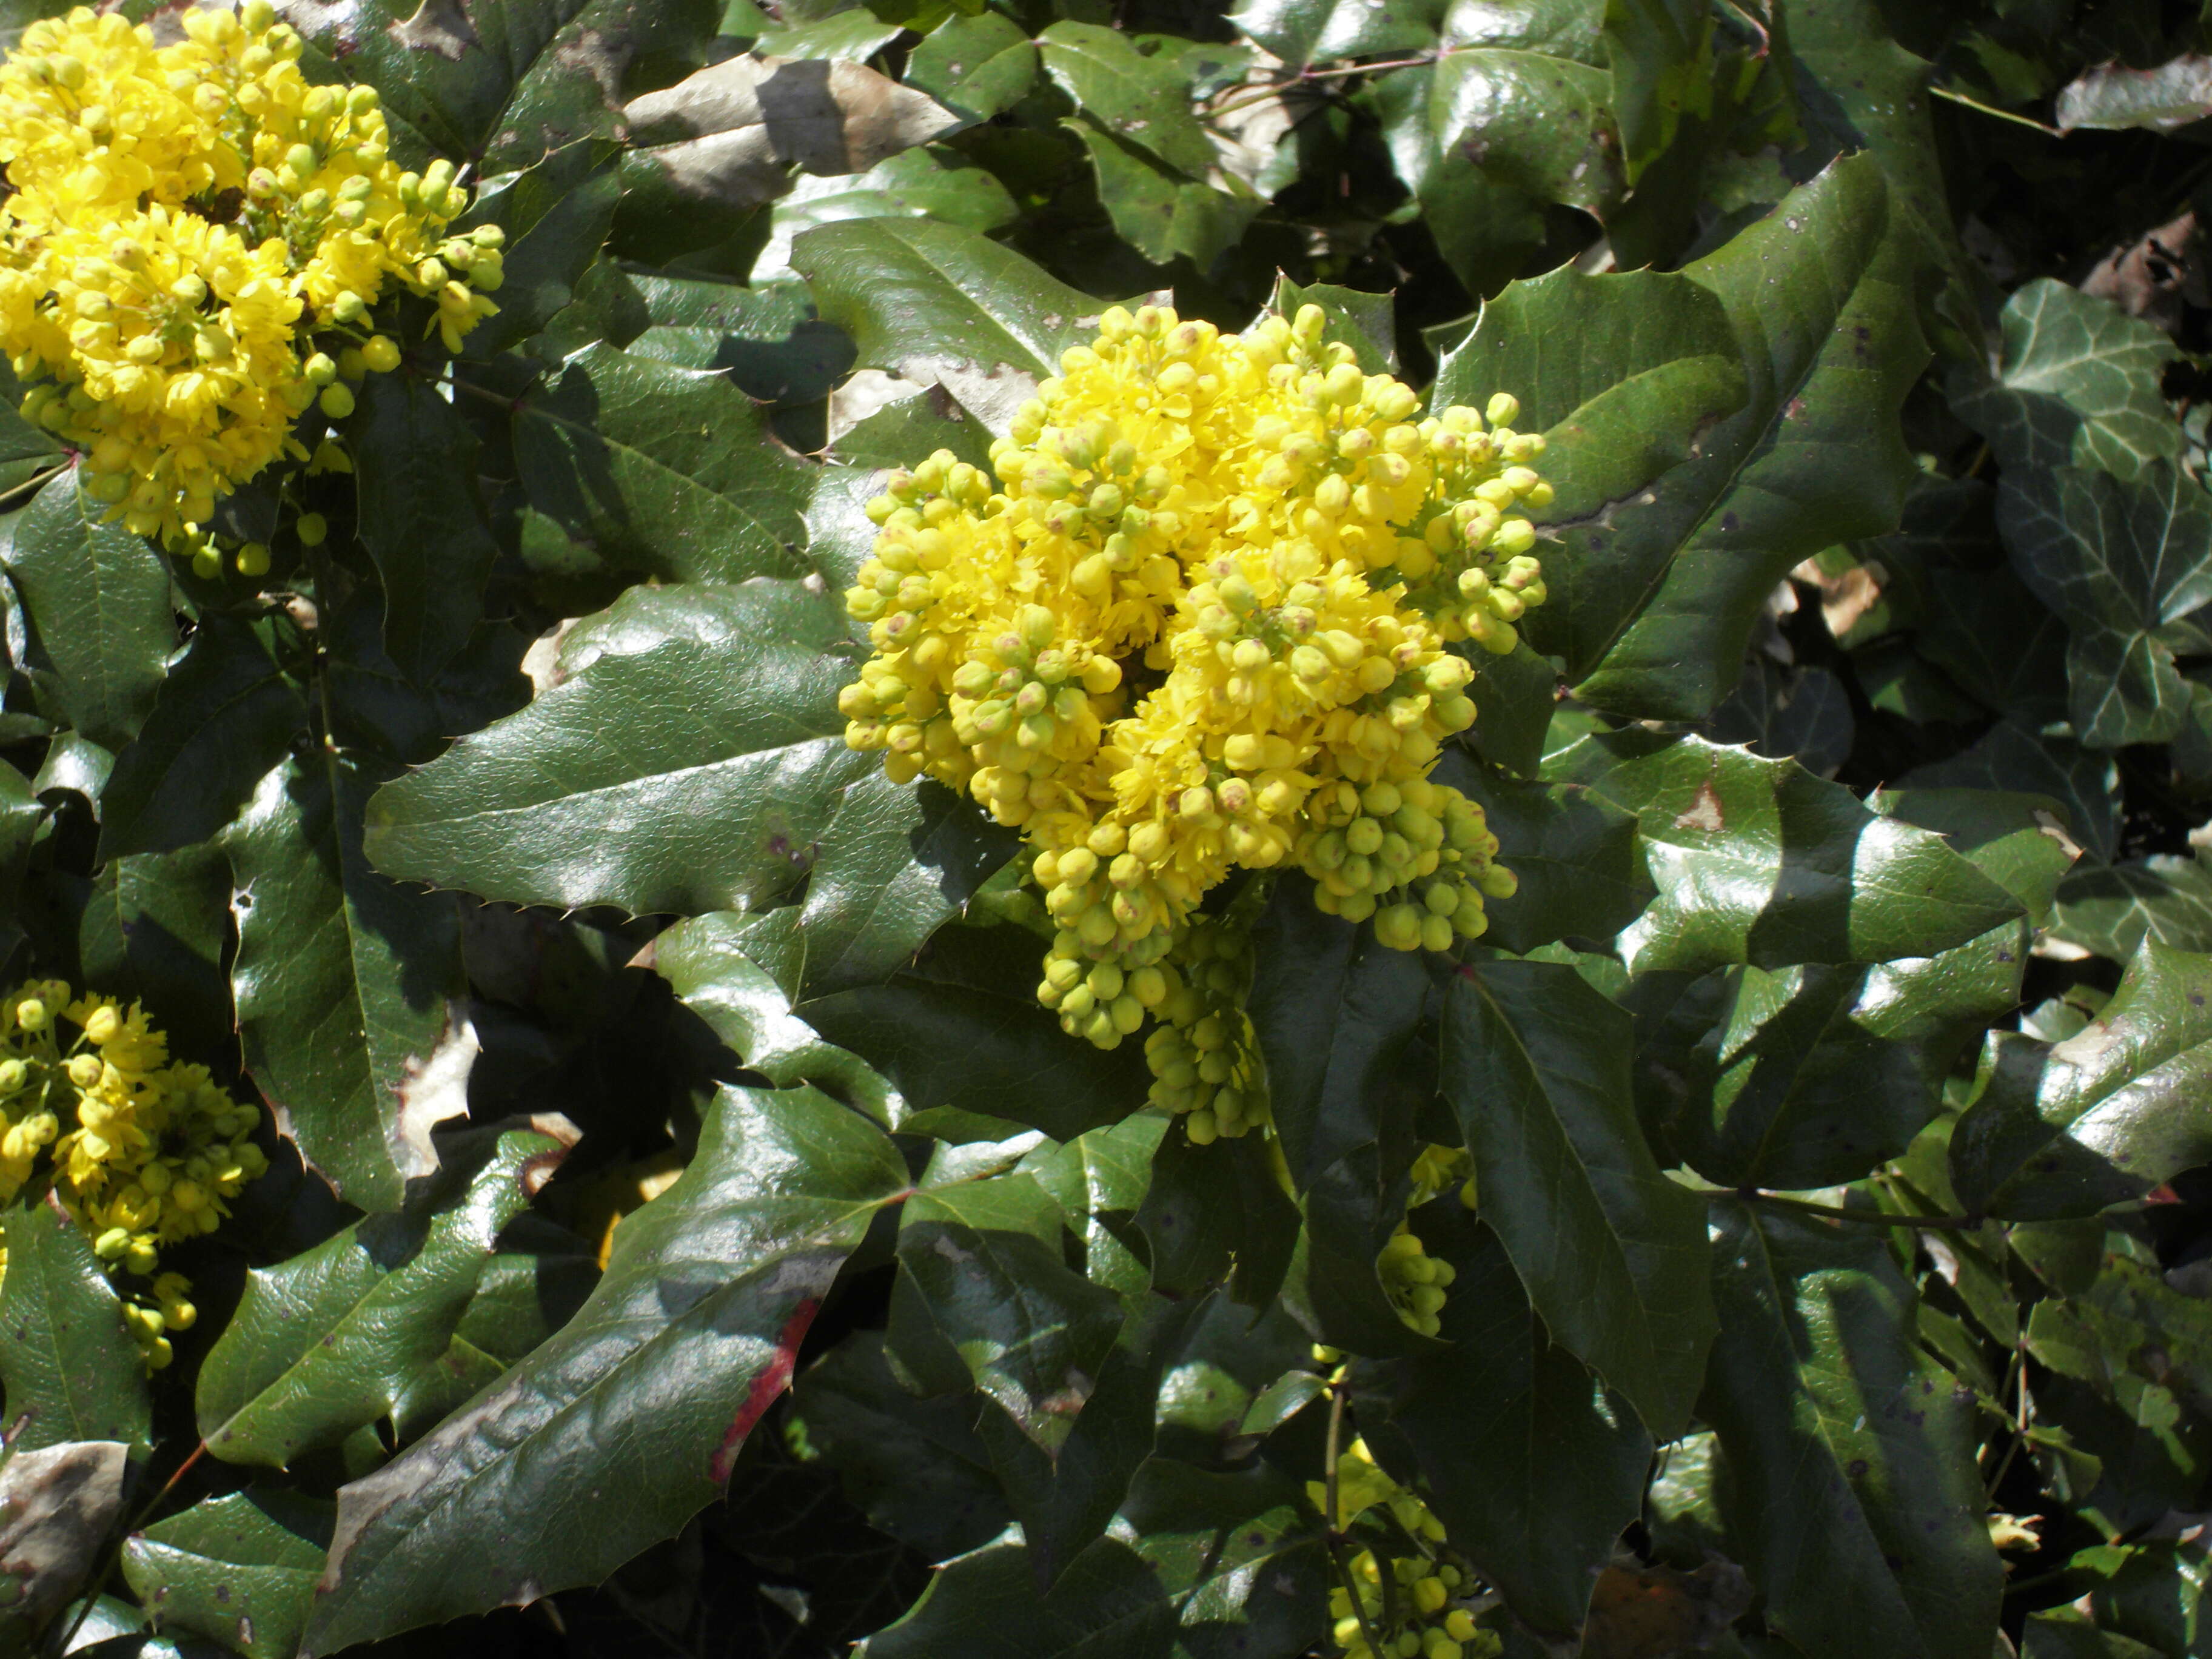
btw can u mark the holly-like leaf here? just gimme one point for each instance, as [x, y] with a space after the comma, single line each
[1536, 1067]
[2126, 566]
[1304, 32]
[2078, 386]
[556, 214]
[2071, 1127]
[225, 715]
[1852, 1487]
[1160, 212]
[98, 602]
[666, 471]
[896, 862]
[2112, 908]
[415, 459]
[69, 1366]
[1759, 861]
[522, 1297]
[2017, 840]
[978, 66]
[986, 1604]
[1532, 1466]
[929, 182]
[239, 1570]
[153, 929]
[684, 777]
[1578, 859]
[2081, 786]
[689, 1339]
[326, 1341]
[1144, 101]
[344, 982]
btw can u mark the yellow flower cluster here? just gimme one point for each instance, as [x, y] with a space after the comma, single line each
[1194, 618]
[1418, 1619]
[141, 1151]
[1414, 1281]
[193, 232]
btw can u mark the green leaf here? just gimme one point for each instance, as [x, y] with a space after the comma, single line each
[1365, 322]
[22, 813]
[669, 473]
[1143, 100]
[326, 1341]
[2112, 909]
[1240, 1555]
[2078, 386]
[2064, 1634]
[897, 861]
[523, 1296]
[1536, 1067]
[225, 715]
[928, 182]
[97, 599]
[2017, 840]
[344, 982]
[69, 1367]
[963, 1031]
[1852, 1486]
[1514, 697]
[978, 67]
[153, 929]
[1759, 861]
[1219, 1212]
[414, 460]
[1158, 211]
[239, 1570]
[2124, 565]
[1099, 1179]
[2011, 757]
[1661, 56]
[556, 215]
[941, 304]
[1578, 859]
[2071, 1127]
[690, 1336]
[986, 1606]
[1304, 32]
[1533, 1468]
[673, 776]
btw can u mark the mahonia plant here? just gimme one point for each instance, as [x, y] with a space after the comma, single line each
[142, 1152]
[1415, 1592]
[1197, 618]
[193, 256]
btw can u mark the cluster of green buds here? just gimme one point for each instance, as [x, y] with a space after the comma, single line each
[1469, 564]
[1411, 1602]
[1204, 1055]
[1415, 855]
[1414, 1281]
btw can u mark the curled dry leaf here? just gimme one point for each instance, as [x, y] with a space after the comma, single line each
[57, 1505]
[2112, 95]
[731, 132]
[2152, 278]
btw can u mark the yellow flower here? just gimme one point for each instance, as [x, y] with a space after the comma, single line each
[186, 221]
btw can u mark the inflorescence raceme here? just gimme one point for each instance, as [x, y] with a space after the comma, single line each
[1195, 617]
[142, 1152]
[195, 243]
[1423, 1613]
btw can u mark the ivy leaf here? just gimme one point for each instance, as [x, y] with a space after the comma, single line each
[666, 471]
[2112, 909]
[1536, 1067]
[326, 1341]
[686, 777]
[71, 1368]
[896, 861]
[98, 602]
[414, 460]
[978, 67]
[239, 1570]
[1759, 861]
[1852, 1489]
[938, 305]
[2082, 785]
[2125, 565]
[225, 715]
[2077, 386]
[687, 1340]
[344, 982]
[2072, 1127]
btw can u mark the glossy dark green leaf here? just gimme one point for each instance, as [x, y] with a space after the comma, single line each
[326, 1341]
[690, 1337]
[153, 929]
[1219, 1212]
[1852, 1489]
[897, 861]
[344, 982]
[1759, 861]
[666, 471]
[1100, 1180]
[986, 1604]
[239, 1570]
[686, 777]
[1514, 696]
[224, 716]
[69, 1366]
[2111, 908]
[930, 181]
[556, 214]
[1578, 858]
[2064, 1634]
[98, 601]
[1533, 1467]
[1536, 1067]
[1365, 322]
[2081, 784]
[2017, 840]
[976, 66]
[2068, 1128]
[1162, 213]
[1302, 32]
[414, 460]
[1240, 1555]
[2124, 565]
[1142, 100]
[2077, 386]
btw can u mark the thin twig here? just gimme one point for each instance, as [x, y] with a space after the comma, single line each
[1303, 78]
[1334, 1536]
[7, 495]
[1865, 1217]
[2001, 114]
[2024, 1408]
